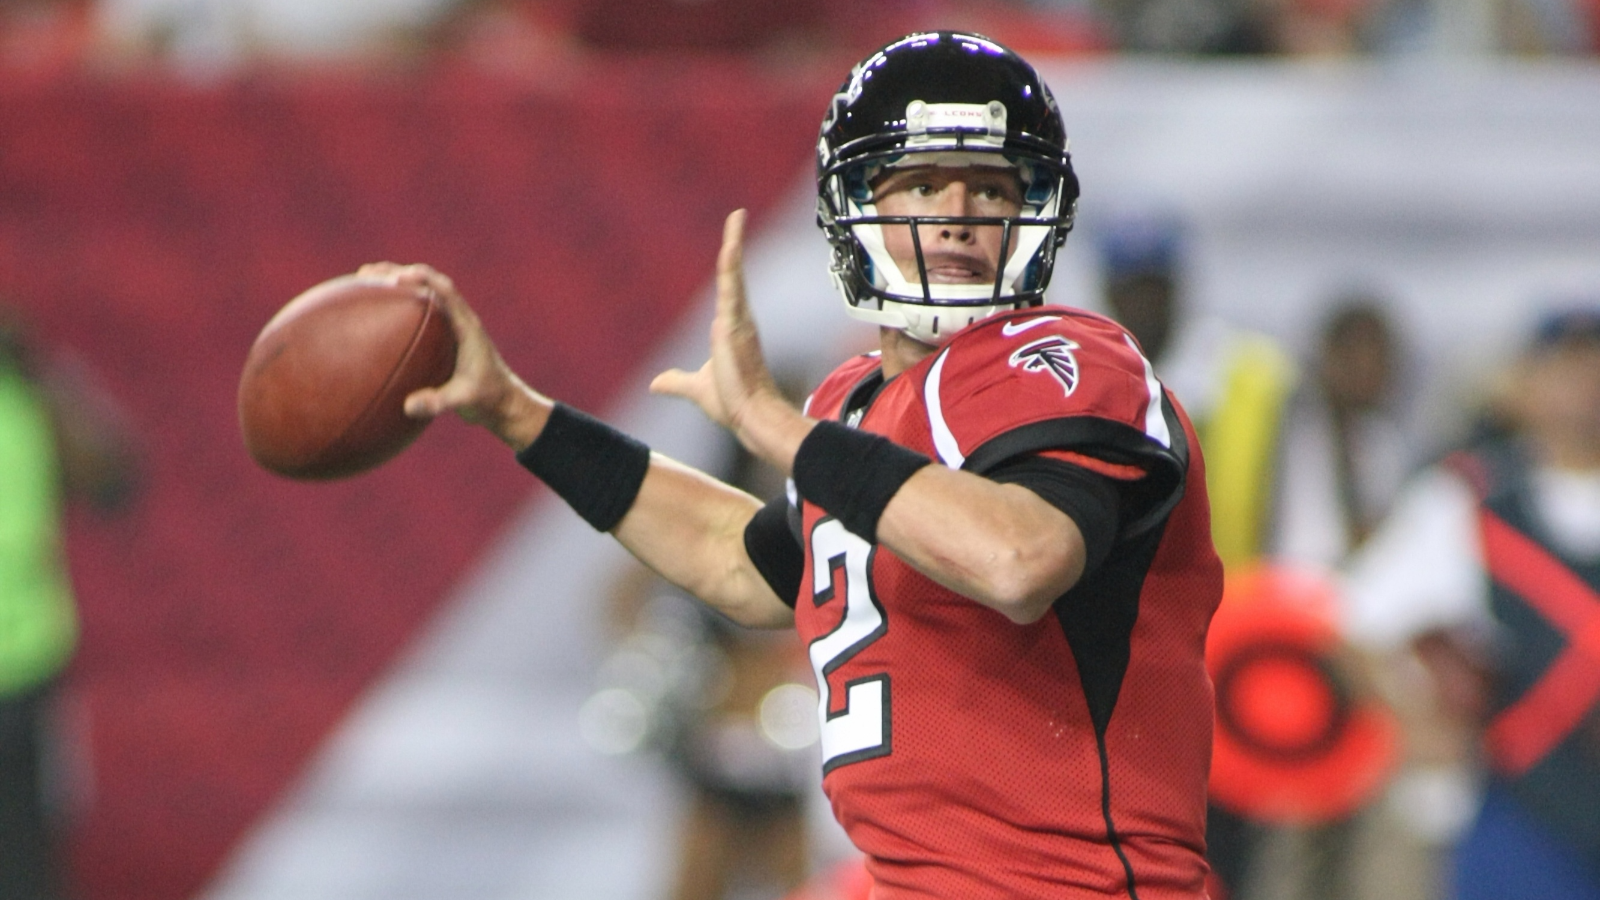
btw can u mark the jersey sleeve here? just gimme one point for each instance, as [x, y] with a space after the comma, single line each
[771, 540]
[1090, 499]
[1059, 380]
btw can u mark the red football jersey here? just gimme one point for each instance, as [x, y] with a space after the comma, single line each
[970, 757]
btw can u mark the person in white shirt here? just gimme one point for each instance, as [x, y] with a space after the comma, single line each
[1488, 572]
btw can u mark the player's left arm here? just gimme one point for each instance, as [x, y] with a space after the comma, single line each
[1001, 545]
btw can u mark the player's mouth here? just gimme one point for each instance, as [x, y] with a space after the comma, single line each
[951, 268]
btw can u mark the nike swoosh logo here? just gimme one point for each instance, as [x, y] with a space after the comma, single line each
[1012, 329]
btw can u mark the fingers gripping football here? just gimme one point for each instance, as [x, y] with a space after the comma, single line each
[479, 388]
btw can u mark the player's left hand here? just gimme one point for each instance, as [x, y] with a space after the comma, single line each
[735, 388]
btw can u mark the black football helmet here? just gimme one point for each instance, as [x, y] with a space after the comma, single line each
[942, 98]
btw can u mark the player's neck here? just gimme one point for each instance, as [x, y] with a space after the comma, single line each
[901, 352]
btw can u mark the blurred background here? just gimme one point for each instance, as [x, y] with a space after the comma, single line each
[431, 680]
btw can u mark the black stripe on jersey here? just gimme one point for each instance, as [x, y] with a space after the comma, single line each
[1148, 500]
[1097, 616]
[1105, 810]
[862, 395]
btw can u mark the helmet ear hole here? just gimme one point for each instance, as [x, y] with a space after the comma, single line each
[1037, 187]
[1030, 275]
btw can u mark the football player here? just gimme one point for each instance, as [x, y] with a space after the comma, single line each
[996, 543]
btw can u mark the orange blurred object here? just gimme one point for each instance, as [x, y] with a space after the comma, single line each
[1294, 742]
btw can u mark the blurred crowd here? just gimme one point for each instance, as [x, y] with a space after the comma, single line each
[212, 35]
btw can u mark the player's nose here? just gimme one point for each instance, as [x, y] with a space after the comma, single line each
[955, 200]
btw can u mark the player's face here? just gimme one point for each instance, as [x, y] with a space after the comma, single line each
[953, 254]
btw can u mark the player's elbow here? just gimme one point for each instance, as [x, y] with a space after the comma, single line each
[735, 589]
[1027, 603]
[753, 613]
[1028, 578]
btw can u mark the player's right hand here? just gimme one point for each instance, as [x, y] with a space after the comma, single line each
[483, 390]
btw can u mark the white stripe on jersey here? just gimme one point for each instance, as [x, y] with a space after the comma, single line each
[943, 440]
[1155, 423]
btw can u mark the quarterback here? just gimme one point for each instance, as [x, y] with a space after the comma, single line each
[996, 542]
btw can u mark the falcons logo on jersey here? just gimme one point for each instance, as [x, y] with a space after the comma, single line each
[1052, 354]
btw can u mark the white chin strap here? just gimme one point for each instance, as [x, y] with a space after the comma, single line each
[928, 324]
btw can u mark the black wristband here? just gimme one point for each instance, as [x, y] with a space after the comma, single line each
[853, 474]
[594, 467]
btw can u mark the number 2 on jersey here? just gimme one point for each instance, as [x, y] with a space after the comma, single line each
[840, 563]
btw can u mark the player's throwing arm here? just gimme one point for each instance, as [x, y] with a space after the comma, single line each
[681, 522]
[998, 544]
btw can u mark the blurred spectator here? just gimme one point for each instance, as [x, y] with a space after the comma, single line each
[1321, 27]
[1343, 27]
[1346, 449]
[698, 25]
[211, 36]
[731, 712]
[1240, 27]
[1487, 573]
[1234, 385]
[1483, 27]
[795, 31]
[58, 439]
[510, 35]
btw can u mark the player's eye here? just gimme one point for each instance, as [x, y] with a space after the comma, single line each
[998, 195]
[910, 185]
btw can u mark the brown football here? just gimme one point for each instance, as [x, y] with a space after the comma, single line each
[324, 385]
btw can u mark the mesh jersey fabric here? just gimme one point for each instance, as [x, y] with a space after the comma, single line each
[972, 757]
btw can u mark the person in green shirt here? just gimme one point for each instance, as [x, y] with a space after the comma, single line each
[57, 439]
